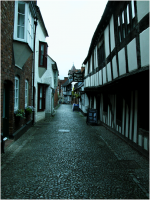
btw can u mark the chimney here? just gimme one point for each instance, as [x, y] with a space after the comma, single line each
[82, 69]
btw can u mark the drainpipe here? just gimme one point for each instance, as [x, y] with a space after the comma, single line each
[33, 73]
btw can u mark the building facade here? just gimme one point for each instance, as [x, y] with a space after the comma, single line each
[45, 74]
[17, 46]
[117, 71]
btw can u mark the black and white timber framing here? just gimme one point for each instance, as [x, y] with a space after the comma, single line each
[116, 78]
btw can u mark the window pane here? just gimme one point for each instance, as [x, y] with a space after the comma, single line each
[16, 84]
[133, 11]
[16, 103]
[40, 104]
[123, 17]
[118, 21]
[42, 54]
[41, 92]
[21, 8]
[128, 20]
[42, 49]
[20, 32]
[21, 20]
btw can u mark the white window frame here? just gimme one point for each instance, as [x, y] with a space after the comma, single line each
[28, 27]
[16, 105]
[26, 92]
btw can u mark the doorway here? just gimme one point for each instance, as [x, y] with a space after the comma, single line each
[6, 96]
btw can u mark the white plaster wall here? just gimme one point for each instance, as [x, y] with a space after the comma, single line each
[48, 100]
[109, 72]
[142, 9]
[132, 55]
[97, 83]
[100, 77]
[106, 41]
[122, 62]
[86, 69]
[114, 67]
[86, 101]
[40, 36]
[145, 143]
[91, 63]
[40, 116]
[112, 35]
[96, 57]
[104, 75]
[144, 47]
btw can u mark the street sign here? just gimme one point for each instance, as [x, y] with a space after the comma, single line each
[78, 77]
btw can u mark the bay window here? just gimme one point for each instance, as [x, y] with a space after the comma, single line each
[23, 23]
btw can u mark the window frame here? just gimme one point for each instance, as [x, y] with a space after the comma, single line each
[44, 55]
[16, 106]
[26, 94]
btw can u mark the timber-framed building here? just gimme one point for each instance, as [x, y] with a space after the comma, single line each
[117, 71]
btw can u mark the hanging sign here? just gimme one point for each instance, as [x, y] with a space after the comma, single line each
[78, 77]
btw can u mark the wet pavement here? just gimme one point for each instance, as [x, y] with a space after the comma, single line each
[64, 158]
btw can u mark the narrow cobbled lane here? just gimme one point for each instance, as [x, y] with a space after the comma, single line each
[63, 158]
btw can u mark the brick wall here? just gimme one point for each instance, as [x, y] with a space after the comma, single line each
[8, 69]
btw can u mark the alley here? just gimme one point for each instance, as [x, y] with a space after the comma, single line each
[64, 158]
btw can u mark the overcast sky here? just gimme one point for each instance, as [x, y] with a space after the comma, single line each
[70, 25]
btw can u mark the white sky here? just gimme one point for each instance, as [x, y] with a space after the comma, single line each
[70, 25]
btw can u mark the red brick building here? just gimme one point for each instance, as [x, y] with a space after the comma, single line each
[16, 65]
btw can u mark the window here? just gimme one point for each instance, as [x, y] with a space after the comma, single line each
[93, 61]
[101, 54]
[43, 54]
[41, 97]
[89, 66]
[23, 23]
[21, 20]
[55, 78]
[26, 93]
[16, 105]
[126, 20]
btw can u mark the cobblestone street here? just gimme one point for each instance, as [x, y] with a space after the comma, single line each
[64, 158]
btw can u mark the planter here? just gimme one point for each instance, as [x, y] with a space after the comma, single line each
[17, 119]
[27, 114]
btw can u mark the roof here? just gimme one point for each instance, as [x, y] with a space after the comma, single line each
[39, 15]
[54, 66]
[109, 9]
[69, 81]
